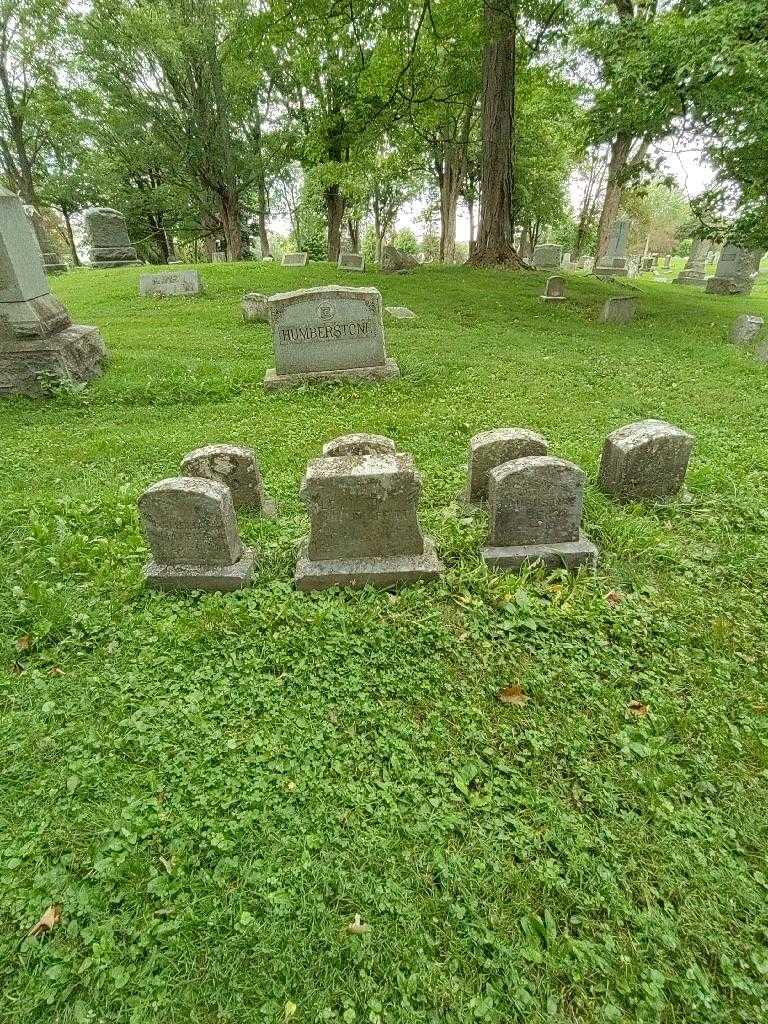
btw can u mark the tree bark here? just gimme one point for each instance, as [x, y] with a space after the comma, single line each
[334, 204]
[617, 165]
[229, 212]
[353, 227]
[495, 241]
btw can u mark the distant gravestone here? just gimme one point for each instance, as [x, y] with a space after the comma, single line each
[177, 282]
[52, 262]
[534, 508]
[218, 257]
[394, 261]
[694, 273]
[350, 261]
[39, 345]
[566, 259]
[614, 260]
[547, 257]
[254, 307]
[359, 444]
[327, 333]
[745, 329]
[492, 448]
[555, 290]
[192, 533]
[667, 264]
[647, 264]
[400, 312]
[761, 352]
[645, 460]
[294, 259]
[107, 238]
[363, 510]
[619, 309]
[736, 271]
[237, 468]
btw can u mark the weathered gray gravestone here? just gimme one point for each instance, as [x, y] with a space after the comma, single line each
[400, 312]
[761, 352]
[667, 264]
[178, 282]
[736, 271]
[39, 344]
[492, 448]
[254, 307]
[363, 510]
[191, 530]
[294, 259]
[52, 262]
[217, 256]
[555, 290]
[107, 238]
[394, 261]
[359, 444]
[534, 507]
[619, 309]
[350, 261]
[614, 260]
[745, 329]
[566, 259]
[547, 256]
[694, 272]
[645, 460]
[327, 333]
[237, 468]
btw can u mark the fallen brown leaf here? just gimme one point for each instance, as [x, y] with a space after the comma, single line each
[24, 643]
[636, 707]
[47, 922]
[512, 695]
[56, 671]
[357, 926]
[614, 597]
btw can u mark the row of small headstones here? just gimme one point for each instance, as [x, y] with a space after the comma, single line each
[363, 495]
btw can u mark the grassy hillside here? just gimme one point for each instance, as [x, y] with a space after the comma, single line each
[212, 787]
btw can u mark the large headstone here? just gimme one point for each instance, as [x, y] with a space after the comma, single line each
[694, 272]
[555, 290]
[39, 344]
[359, 444]
[237, 468]
[645, 460]
[547, 257]
[745, 329]
[492, 448]
[191, 530]
[534, 507]
[178, 282]
[350, 261]
[327, 333]
[52, 262]
[294, 259]
[394, 261]
[107, 238]
[619, 309]
[254, 307]
[736, 271]
[363, 510]
[613, 262]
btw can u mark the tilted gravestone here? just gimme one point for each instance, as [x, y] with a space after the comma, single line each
[736, 271]
[694, 272]
[177, 282]
[294, 259]
[237, 468]
[327, 333]
[400, 312]
[107, 238]
[619, 309]
[359, 444]
[613, 262]
[745, 329]
[393, 261]
[555, 290]
[364, 525]
[39, 344]
[350, 261]
[534, 507]
[547, 256]
[254, 307]
[192, 533]
[645, 460]
[52, 262]
[492, 448]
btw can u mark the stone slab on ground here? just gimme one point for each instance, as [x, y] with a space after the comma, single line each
[400, 312]
[294, 259]
[619, 309]
[174, 282]
[566, 555]
[225, 578]
[277, 382]
[318, 574]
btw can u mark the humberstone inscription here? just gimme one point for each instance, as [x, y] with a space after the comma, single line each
[179, 282]
[327, 333]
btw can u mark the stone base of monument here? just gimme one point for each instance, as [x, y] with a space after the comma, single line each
[358, 572]
[29, 364]
[103, 258]
[611, 272]
[274, 381]
[694, 280]
[563, 555]
[225, 578]
[54, 266]
[553, 298]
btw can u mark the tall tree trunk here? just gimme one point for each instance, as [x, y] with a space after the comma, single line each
[70, 238]
[449, 200]
[589, 204]
[263, 236]
[229, 210]
[617, 165]
[353, 227]
[471, 212]
[495, 240]
[334, 204]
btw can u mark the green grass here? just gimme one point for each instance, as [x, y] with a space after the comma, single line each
[213, 786]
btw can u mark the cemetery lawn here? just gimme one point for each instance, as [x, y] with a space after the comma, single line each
[211, 788]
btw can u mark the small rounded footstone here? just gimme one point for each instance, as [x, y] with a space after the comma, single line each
[564, 555]
[225, 578]
[379, 572]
